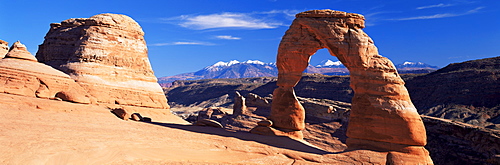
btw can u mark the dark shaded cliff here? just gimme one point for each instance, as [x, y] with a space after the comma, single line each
[466, 92]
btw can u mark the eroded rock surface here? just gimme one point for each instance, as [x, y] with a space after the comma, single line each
[382, 118]
[21, 74]
[107, 55]
[19, 51]
[4, 48]
[239, 106]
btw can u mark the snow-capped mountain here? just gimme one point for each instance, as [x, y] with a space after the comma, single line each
[221, 64]
[409, 65]
[256, 68]
[231, 69]
[329, 64]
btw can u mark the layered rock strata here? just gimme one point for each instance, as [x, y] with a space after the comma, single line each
[107, 55]
[21, 74]
[382, 118]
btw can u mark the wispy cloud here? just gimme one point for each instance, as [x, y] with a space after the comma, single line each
[290, 14]
[434, 6]
[226, 20]
[227, 37]
[182, 43]
[373, 18]
[443, 15]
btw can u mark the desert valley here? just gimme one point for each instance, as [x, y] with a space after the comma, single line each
[90, 96]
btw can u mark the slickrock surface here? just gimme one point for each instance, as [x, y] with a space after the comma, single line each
[107, 55]
[21, 74]
[383, 117]
[4, 48]
[41, 131]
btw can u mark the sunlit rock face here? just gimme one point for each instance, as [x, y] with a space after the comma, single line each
[383, 117]
[107, 55]
[4, 48]
[22, 74]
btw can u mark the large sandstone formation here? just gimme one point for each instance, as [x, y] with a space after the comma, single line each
[21, 74]
[382, 118]
[107, 55]
[4, 48]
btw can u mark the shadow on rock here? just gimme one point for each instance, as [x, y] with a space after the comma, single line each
[280, 142]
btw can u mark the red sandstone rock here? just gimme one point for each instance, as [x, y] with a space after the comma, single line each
[239, 107]
[265, 123]
[18, 50]
[136, 117]
[208, 122]
[286, 111]
[107, 55]
[121, 113]
[21, 74]
[4, 48]
[382, 116]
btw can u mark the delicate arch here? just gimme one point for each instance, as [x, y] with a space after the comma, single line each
[382, 110]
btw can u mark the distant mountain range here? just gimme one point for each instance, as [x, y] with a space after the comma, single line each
[256, 68]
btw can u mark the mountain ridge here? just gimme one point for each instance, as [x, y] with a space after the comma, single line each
[257, 68]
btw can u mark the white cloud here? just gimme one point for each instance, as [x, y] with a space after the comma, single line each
[428, 17]
[434, 6]
[288, 13]
[226, 20]
[227, 37]
[182, 43]
[444, 15]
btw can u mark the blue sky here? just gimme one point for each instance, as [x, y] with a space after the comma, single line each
[185, 36]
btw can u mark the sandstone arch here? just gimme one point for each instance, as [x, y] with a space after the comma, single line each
[382, 118]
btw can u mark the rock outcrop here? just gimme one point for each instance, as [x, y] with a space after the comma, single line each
[382, 118]
[19, 51]
[21, 74]
[239, 107]
[4, 48]
[107, 55]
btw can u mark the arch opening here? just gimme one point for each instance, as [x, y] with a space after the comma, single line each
[322, 62]
[382, 112]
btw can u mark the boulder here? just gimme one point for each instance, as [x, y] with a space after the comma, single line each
[136, 117]
[121, 113]
[382, 117]
[208, 122]
[265, 123]
[21, 74]
[107, 55]
[4, 48]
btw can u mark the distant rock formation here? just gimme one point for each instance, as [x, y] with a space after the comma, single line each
[107, 55]
[382, 118]
[239, 107]
[4, 48]
[467, 92]
[21, 74]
